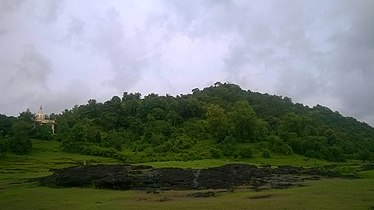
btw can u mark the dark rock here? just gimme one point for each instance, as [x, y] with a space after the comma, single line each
[137, 177]
[202, 194]
[281, 185]
[265, 166]
[289, 170]
[163, 199]
[261, 196]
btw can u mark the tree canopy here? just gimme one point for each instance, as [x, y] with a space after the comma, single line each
[220, 120]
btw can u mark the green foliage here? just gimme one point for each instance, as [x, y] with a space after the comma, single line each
[42, 131]
[266, 153]
[5, 125]
[335, 154]
[104, 152]
[229, 147]
[27, 117]
[20, 143]
[4, 146]
[279, 146]
[246, 152]
[115, 140]
[16, 171]
[215, 153]
[244, 121]
[217, 121]
[347, 170]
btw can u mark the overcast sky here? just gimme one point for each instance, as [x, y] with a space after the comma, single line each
[60, 53]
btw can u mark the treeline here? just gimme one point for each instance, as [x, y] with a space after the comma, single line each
[15, 133]
[219, 121]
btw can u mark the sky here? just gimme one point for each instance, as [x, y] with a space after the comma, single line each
[61, 53]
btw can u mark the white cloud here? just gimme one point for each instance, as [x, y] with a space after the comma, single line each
[60, 53]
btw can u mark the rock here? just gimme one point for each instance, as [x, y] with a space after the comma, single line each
[261, 196]
[137, 177]
[202, 194]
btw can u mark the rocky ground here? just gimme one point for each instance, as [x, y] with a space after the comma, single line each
[135, 177]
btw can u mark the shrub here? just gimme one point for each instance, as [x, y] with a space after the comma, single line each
[266, 153]
[246, 152]
[20, 143]
[215, 153]
[4, 146]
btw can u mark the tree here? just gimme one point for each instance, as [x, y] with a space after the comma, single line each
[42, 131]
[27, 116]
[219, 112]
[5, 125]
[20, 142]
[246, 152]
[244, 121]
[4, 145]
[217, 122]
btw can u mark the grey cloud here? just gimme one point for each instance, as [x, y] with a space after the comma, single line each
[313, 51]
[34, 66]
[126, 54]
[76, 27]
[24, 79]
[10, 5]
[353, 61]
[31, 69]
[47, 11]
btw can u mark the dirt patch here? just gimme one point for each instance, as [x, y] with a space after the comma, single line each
[126, 177]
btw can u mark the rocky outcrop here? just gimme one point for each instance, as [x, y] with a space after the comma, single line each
[125, 177]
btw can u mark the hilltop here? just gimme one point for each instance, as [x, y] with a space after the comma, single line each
[220, 121]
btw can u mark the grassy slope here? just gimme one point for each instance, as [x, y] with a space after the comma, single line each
[15, 193]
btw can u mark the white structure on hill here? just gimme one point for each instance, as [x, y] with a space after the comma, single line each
[40, 118]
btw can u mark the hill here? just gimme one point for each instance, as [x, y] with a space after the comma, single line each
[219, 121]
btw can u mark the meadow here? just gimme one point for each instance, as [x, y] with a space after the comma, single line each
[20, 190]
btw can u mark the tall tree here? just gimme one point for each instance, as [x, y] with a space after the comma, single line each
[20, 142]
[244, 122]
[217, 122]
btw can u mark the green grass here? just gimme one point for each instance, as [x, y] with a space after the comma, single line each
[45, 155]
[17, 193]
[324, 194]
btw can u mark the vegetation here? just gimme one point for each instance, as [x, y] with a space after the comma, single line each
[220, 121]
[17, 192]
[218, 125]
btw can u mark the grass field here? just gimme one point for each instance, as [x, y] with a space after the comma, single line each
[17, 192]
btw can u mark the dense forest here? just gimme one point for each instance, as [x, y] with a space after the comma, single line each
[220, 121]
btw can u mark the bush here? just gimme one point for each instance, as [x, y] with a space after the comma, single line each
[4, 146]
[279, 146]
[229, 150]
[266, 154]
[246, 152]
[347, 171]
[20, 143]
[313, 154]
[215, 153]
[335, 154]
[73, 146]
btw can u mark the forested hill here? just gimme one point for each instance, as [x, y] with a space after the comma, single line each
[219, 121]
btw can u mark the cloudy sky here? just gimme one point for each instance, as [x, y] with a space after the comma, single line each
[61, 53]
